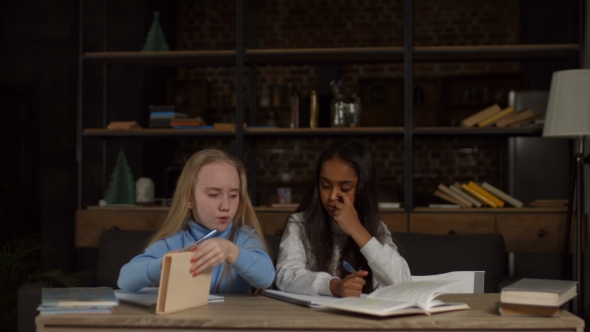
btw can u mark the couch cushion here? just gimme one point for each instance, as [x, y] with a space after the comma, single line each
[115, 249]
[434, 254]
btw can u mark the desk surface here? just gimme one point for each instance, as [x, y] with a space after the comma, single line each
[260, 313]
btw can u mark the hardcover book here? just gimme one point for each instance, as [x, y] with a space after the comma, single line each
[485, 193]
[78, 297]
[494, 118]
[458, 198]
[179, 290]
[541, 292]
[478, 196]
[481, 115]
[502, 195]
[515, 117]
[512, 309]
[456, 187]
[447, 198]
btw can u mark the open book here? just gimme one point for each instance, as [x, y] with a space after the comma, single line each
[410, 297]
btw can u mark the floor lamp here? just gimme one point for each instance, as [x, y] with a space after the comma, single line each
[568, 116]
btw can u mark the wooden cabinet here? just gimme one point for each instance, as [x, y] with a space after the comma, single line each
[452, 223]
[532, 232]
[524, 230]
[90, 223]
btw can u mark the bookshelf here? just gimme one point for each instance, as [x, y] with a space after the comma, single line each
[246, 54]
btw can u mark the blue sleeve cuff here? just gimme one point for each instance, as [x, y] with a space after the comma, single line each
[154, 270]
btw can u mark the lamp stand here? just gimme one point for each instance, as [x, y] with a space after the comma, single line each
[576, 197]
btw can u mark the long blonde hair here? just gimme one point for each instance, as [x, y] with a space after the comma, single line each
[180, 213]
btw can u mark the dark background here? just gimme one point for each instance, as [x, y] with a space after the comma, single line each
[38, 99]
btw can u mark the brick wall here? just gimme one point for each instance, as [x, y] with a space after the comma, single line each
[356, 23]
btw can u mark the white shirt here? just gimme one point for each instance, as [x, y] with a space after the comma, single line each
[293, 269]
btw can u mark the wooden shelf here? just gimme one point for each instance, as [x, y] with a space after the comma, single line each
[520, 131]
[339, 55]
[494, 210]
[323, 132]
[494, 52]
[308, 132]
[166, 58]
[157, 132]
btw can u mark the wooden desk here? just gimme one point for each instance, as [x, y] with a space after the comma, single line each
[259, 313]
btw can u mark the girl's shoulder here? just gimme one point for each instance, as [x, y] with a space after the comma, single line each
[297, 217]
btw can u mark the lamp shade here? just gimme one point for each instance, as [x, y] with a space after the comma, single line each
[568, 109]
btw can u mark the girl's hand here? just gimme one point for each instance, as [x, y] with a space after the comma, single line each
[347, 218]
[211, 253]
[345, 214]
[351, 285]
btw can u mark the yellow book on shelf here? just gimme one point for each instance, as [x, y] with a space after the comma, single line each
[481, 115]
[478, 196]
[485, 193]
[492, 119]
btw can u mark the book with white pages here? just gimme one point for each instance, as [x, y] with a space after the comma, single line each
[469, 281]
[148, 296]
[312, 301]
[404, 298]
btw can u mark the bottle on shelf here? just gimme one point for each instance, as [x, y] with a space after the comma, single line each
[276, 96]
[265, 96]
[294, 110]
[314, 110]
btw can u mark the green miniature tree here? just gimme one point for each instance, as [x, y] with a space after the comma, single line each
[121, 187]
[155, 40]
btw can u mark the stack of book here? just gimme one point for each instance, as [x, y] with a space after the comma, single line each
[471, 194]
[188, 123]
[496, 116]
[160, 116]
[77, 300]
[536, 297]
[126, 125]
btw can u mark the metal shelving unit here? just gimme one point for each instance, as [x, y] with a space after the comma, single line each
[253, 57]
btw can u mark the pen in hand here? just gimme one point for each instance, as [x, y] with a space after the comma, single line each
[189, 246]
[349, 268]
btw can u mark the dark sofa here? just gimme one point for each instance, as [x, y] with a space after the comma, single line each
[428, 254]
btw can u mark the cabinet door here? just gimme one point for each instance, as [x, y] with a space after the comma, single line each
[532, 232]
[395, 221]
[452, 223]
[272, 222]
[91, 223]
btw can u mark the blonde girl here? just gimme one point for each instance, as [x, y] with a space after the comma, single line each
[211, 194]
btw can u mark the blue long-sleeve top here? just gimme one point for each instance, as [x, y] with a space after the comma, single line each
[252, 268]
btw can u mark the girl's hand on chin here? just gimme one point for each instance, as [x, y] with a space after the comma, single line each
[211, 253]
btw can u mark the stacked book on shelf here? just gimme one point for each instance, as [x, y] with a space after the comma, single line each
[189, 123]
[161, 115]
[77, 300]
[504, 118]
[124, 125]
[473, 195]
[536, 297]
